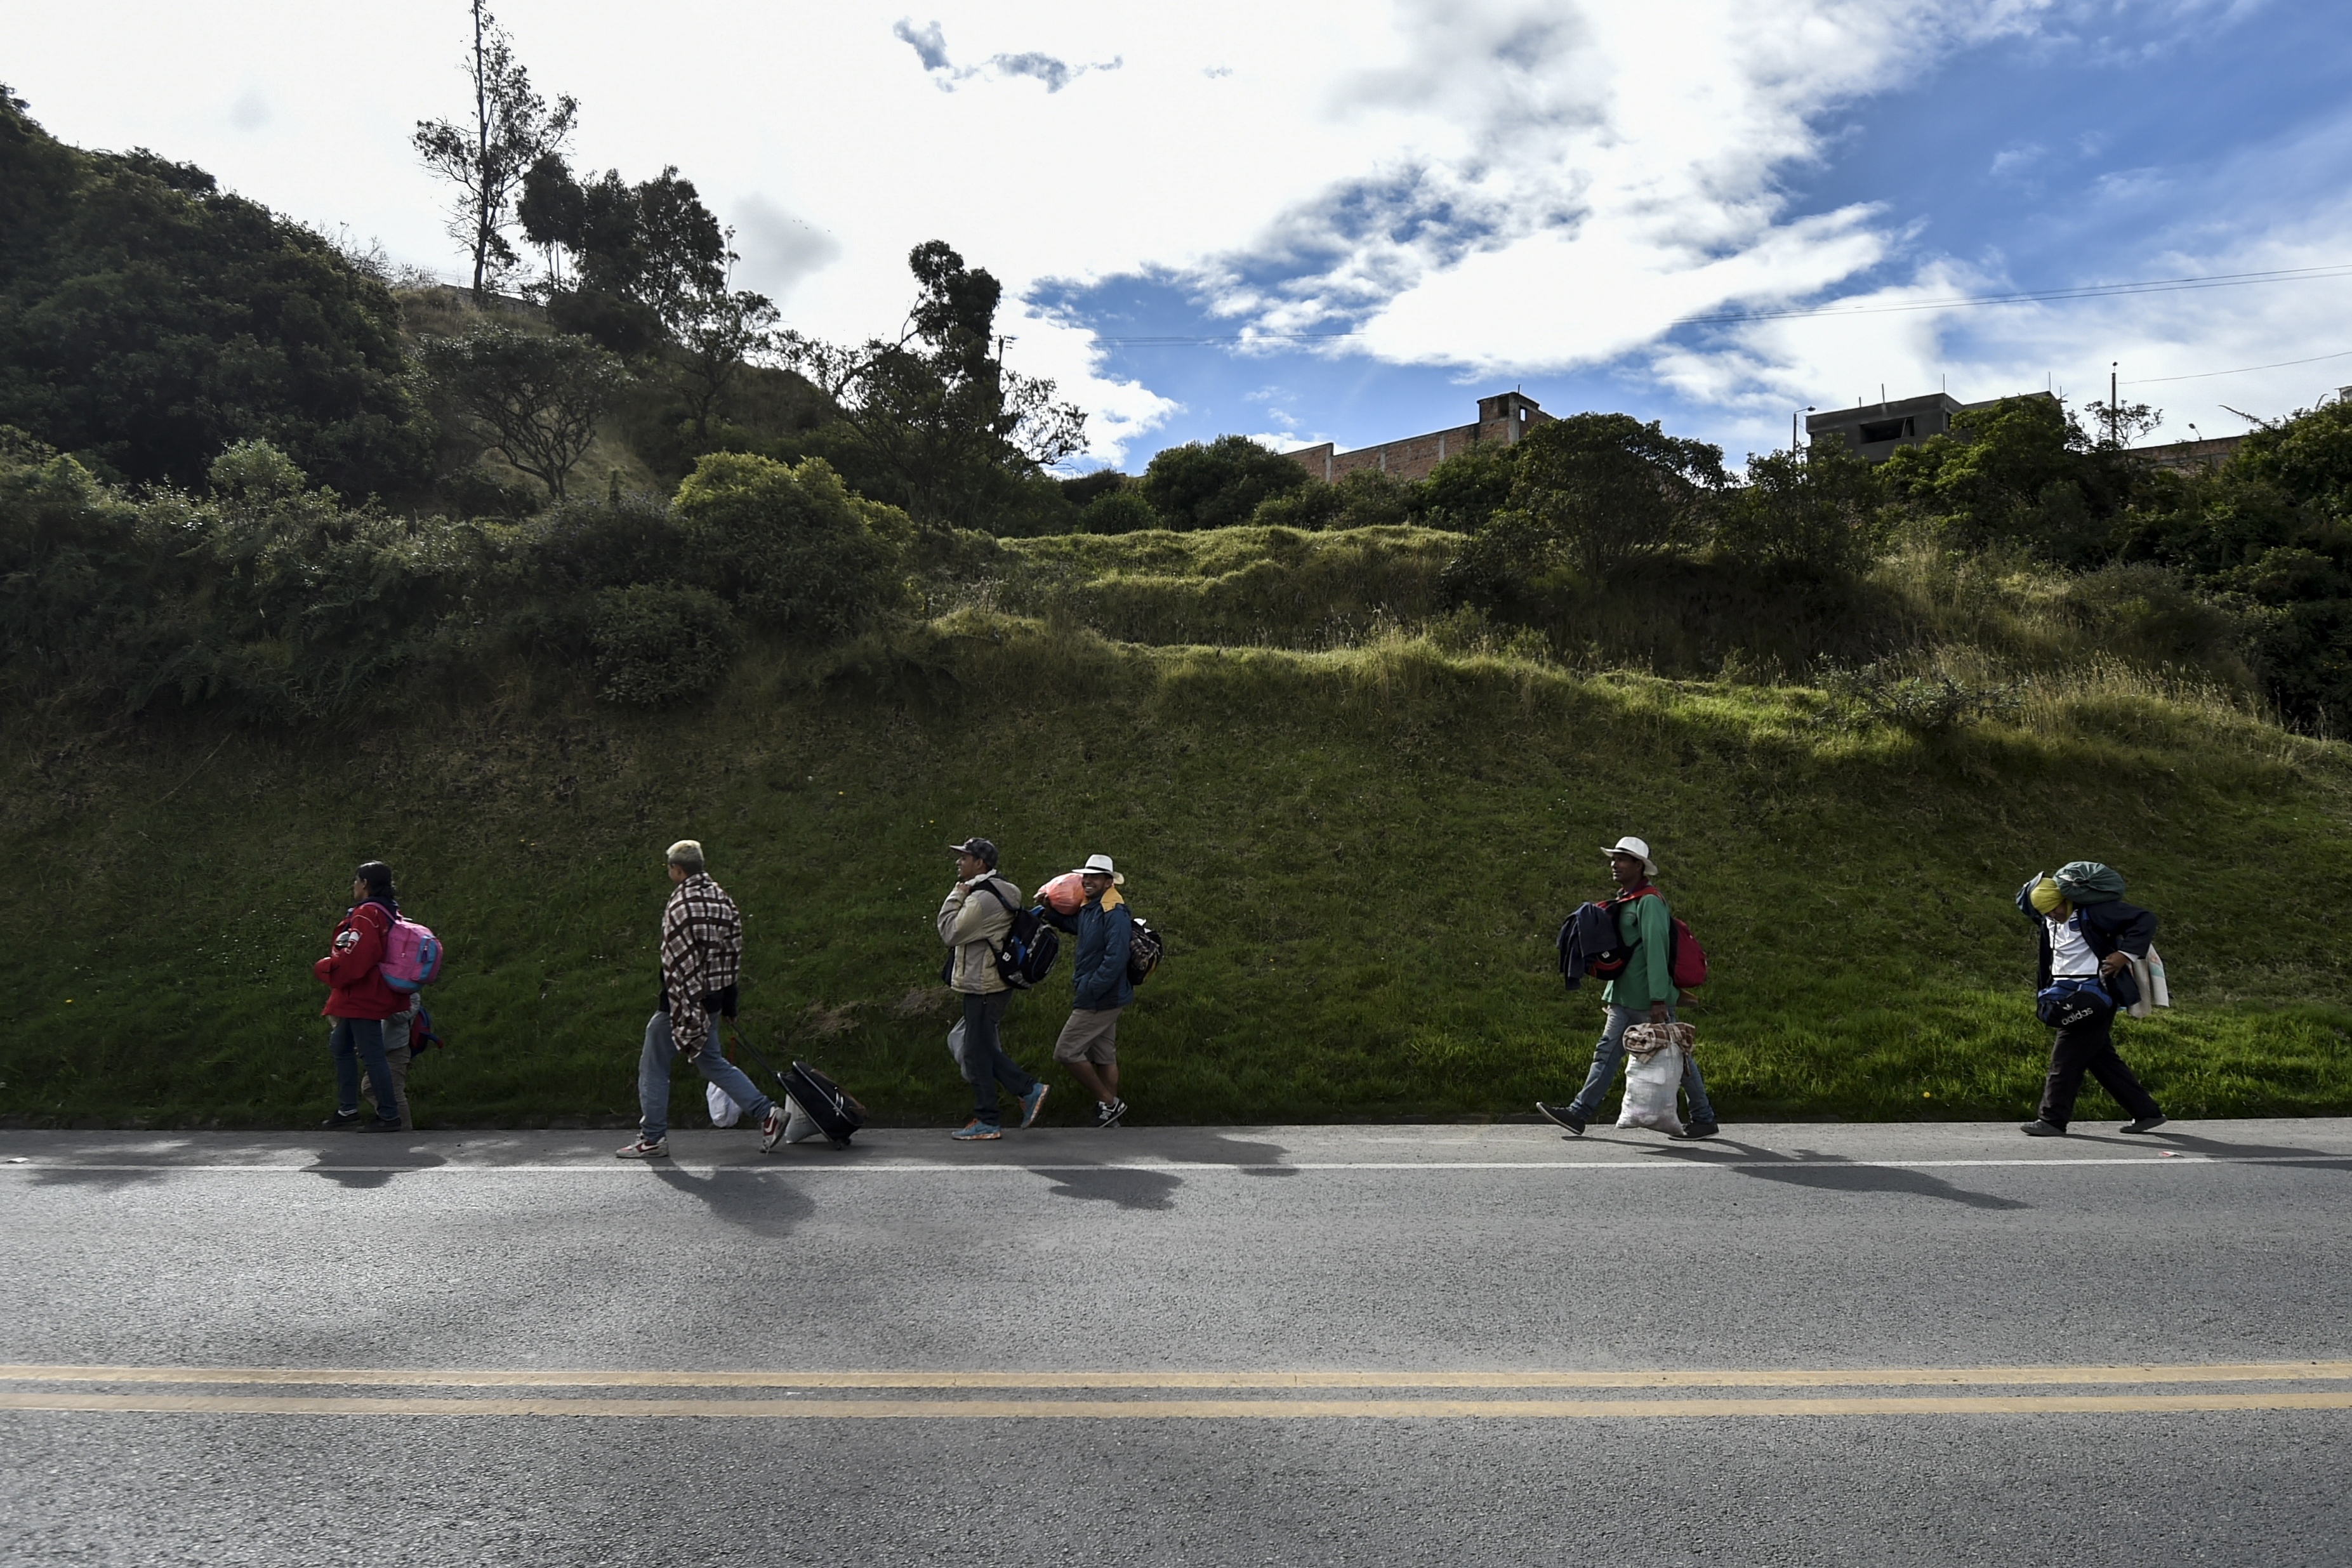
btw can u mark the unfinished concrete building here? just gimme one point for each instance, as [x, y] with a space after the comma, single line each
[1502, 418]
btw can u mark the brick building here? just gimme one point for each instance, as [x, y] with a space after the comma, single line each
[1503, 418]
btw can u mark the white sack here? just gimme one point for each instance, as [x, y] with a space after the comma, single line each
[724, 1111]
[1651, 1079]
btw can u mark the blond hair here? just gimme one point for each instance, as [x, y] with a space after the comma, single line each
[687, 854]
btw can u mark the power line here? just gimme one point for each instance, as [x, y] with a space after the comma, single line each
[2241, 370]
[2025, 296]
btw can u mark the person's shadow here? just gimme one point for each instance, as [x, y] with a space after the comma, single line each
[2164, 1137]
[1155, 1190]
[367, 1162]
[1832, 1172]
[748, 1197]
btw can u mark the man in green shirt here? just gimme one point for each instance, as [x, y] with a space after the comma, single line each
[1644, 993]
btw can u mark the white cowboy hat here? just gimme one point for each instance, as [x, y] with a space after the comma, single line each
[1638, 848]
[1100, 865]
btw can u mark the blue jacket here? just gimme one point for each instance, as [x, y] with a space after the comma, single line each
[1100, 975]
[2106, 928]
[1585, 935]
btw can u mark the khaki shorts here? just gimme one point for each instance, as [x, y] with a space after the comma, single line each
[1091, 1035]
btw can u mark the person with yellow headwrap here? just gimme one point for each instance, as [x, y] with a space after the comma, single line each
[2089, 937]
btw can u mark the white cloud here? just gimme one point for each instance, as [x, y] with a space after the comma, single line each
[2252, 213]
[779, 249]
[1484, 183]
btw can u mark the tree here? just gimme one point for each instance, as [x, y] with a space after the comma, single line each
[1598, 490]
[148, 319]
[1818, 510]
[512, 128]
[536, 399]
[2021, 471]
[1216, 484]
[934, 419]
[720, 330]
[647, 261]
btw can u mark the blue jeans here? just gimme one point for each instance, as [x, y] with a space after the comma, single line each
[984, 1061]
[653, 1079]
[354, 1041]
[1610, 1052]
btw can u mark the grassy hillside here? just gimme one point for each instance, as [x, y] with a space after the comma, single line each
[1359, 856]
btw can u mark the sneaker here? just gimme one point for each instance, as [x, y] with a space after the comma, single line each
[340, 1122]
[376, 1124]
[1698, 1130]
[1108, 1115]
[659, 1149]
[2038, 1129]
[1563, 1116]
[2144, 1123]
[1031, 1104]
[772, 1128]
[976, 1130]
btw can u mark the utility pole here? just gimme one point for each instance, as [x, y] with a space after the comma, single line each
[2114, 414]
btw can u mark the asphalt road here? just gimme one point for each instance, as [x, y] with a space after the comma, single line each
[1904, 1344]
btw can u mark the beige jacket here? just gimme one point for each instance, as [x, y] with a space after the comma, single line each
[974, 924]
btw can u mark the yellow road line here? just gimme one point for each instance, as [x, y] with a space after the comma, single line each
[1187, 1409]
[1758, 1377]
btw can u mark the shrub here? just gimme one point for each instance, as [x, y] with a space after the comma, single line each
[1926, 704]
[789, 547]
[1215, 484]
[476, 492]
[1597, 491]
[1363, 499]
[1819, 511]
[1466, 489]
[1122, 510]
[658, 645]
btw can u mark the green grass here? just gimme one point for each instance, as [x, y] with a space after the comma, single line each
[1359, 856]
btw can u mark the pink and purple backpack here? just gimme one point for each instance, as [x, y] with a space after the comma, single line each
[411, 956]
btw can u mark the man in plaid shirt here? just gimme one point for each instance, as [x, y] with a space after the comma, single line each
[701, 957]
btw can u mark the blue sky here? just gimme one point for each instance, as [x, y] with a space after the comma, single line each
[1485, 193]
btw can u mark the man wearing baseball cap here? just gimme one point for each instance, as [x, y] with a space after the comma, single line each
[1644, 993]
[973, 922]
[1105, 928]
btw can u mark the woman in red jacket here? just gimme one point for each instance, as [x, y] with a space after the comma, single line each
[359, 999]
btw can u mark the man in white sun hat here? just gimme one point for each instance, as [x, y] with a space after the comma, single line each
[1105, 928]
[1643, 992]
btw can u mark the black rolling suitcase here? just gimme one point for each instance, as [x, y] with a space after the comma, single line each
[836, 1111]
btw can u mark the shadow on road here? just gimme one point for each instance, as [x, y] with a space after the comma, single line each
[2215, 1148]
[748, 1198]
[1152, 1190]
[1835, 1172]
[1132, 1189]
[69, 1176]
[339, 1165]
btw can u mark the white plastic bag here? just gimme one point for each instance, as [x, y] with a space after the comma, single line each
[724, 1111]
[2154, 993]
[799, 1125]
[1654, 1073]
[955, 1044]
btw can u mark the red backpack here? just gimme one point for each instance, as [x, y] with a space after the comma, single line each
[1686, 959]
